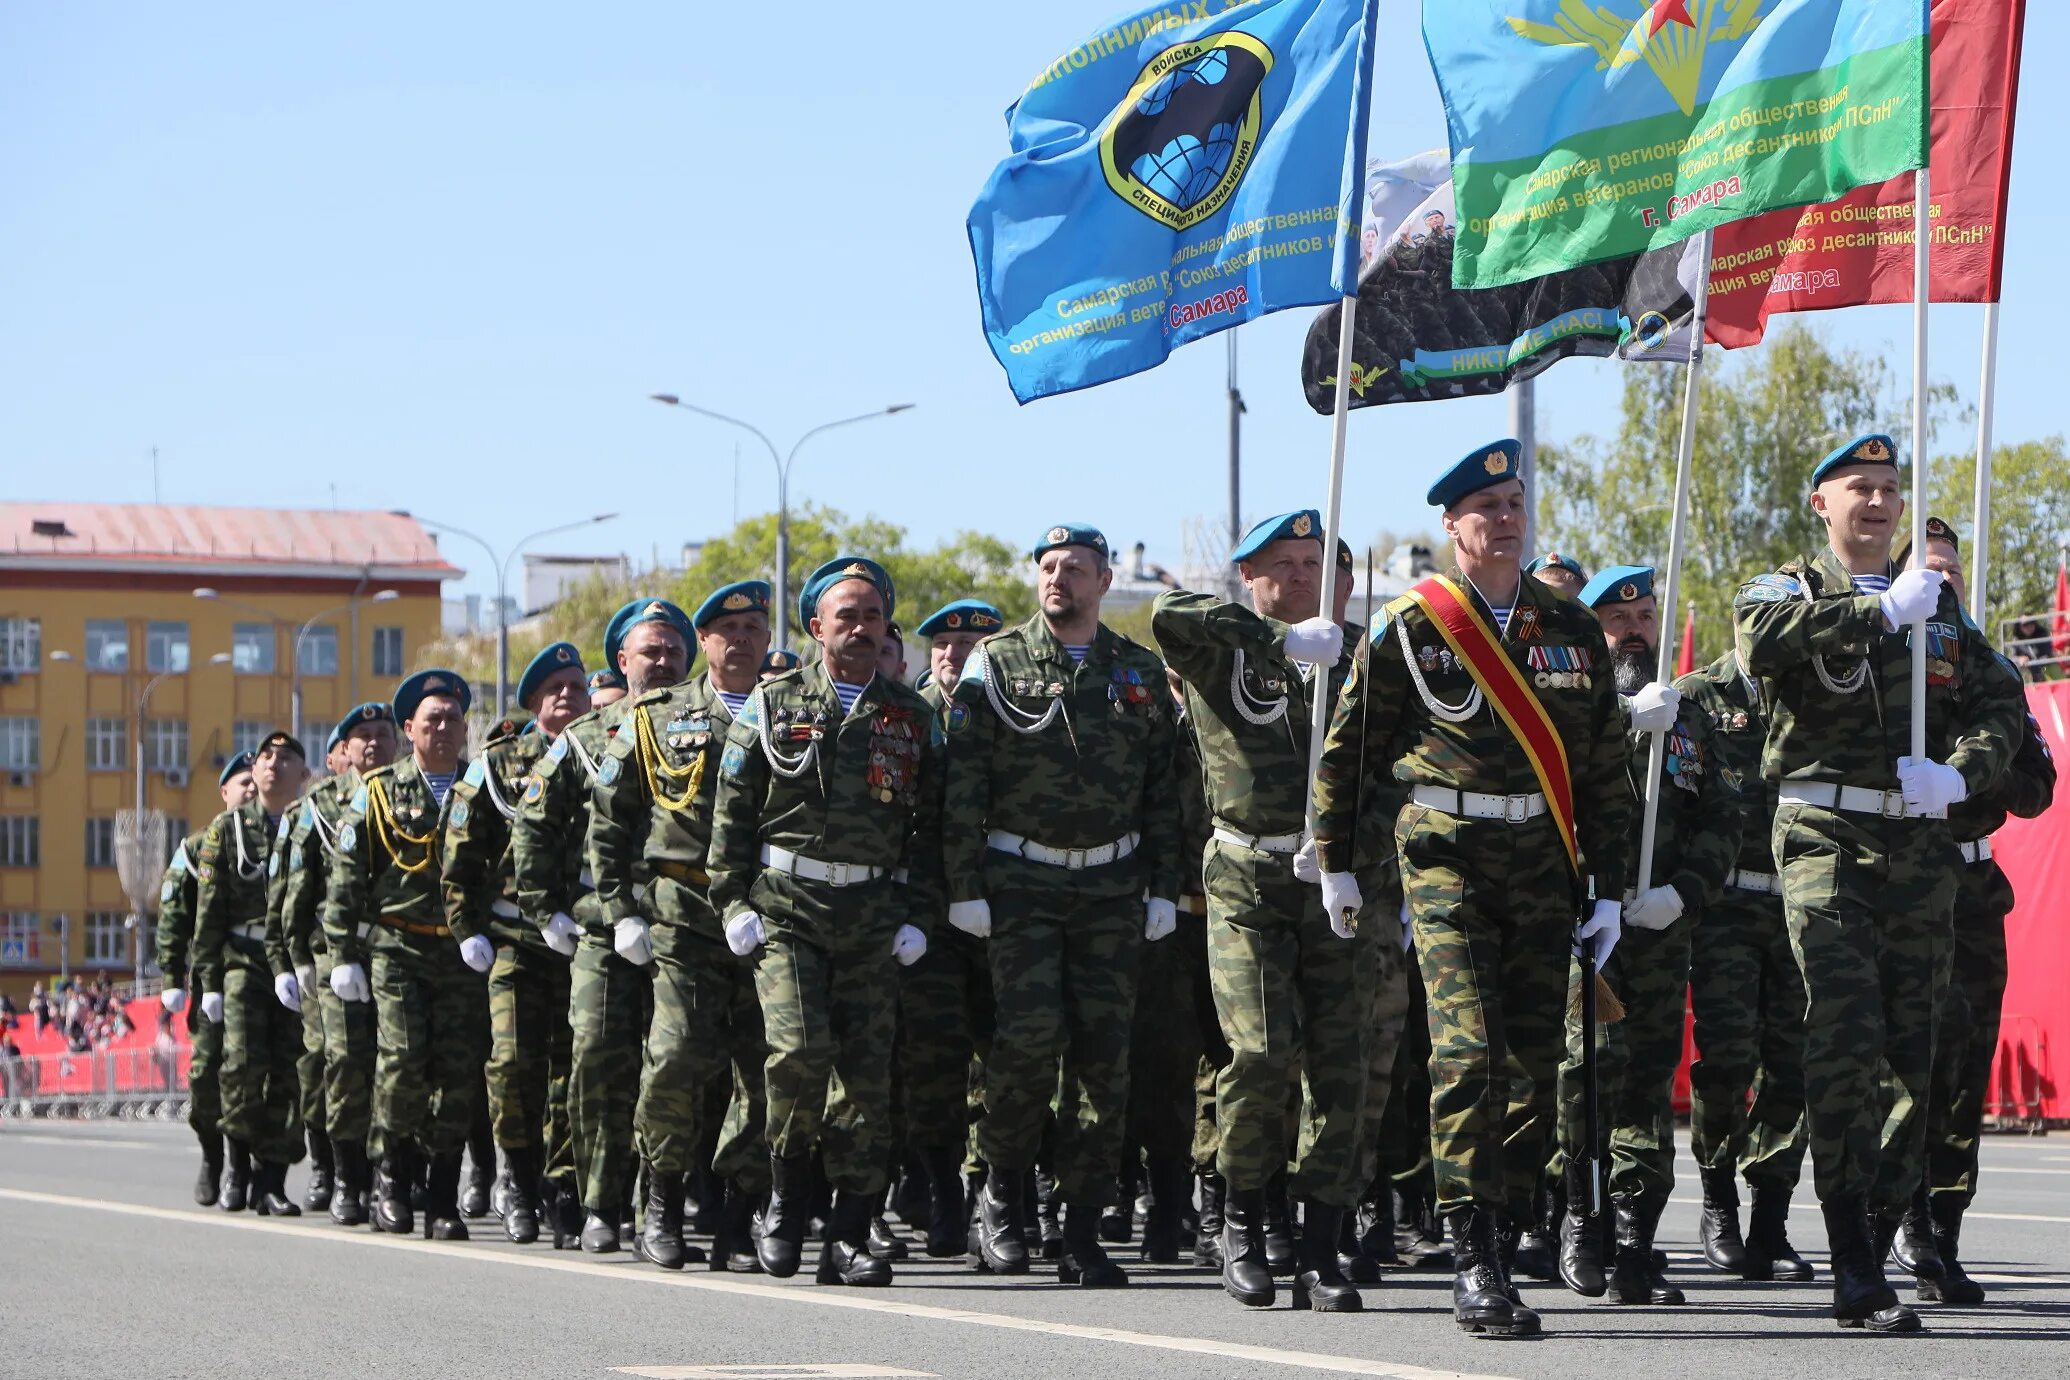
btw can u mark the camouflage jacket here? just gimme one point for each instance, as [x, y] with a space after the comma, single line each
[1098, 767]
[1836, 687]
[477, 883]
[176, 911]
[386, 868]
[652, 802]
[1698, 837]
[1195, 823]
[549, 834]
[2025, 789]
[294, 900]
[231, 873]
[1737, 734]
[1407, 669]
[862, 789]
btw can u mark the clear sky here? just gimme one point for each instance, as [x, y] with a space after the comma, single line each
[436, 257]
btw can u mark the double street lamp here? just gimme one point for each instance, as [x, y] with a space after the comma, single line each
[384, 596]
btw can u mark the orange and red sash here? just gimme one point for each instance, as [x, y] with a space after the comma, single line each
[1504, 687]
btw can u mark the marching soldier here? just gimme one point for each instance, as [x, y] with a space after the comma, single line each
[1482, 698]
[1562, 573]
[299, 958]
[1057, 815]
[827, 794]
[528, 983]
[176, 897]
[1868, 863]
[430, 1004]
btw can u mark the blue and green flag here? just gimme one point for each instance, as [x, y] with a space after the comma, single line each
[1584, 131]
[1178, 173]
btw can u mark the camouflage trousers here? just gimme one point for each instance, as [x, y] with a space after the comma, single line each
[706, 1027]
[1966, 1036]
[1064, 982]
[529, 1055]
[261, 1041]
[1287, 989]
[349, 1037]
[1636, 1060]
[609, 1003]
[1869, 903]
[204, 1089]
[1174, 1030]
[1493, 908]
[309, 1073]
[944, 1025]
[830, 1013]
[1401, 1141]
[431, 1014]
[1384, 1034]
[1748, 998]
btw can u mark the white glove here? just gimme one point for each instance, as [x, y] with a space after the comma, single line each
[629, 936]
[744, 933]
[561, 932]
[1342, 902]
[288, 992]
[477, 951]
[173, 999]
[908, 945]
[1317, 641]
[1911, 596]
[1408, 927]
[1605, 925]
[974, 918]
[1160, 918]
[1654, 707]
[305, 977]
[1655, 908]
[349, 982]
[1930, 787]
[1307, 866]
[212, 1007]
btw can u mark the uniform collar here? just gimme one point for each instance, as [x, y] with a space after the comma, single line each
[1046, 645]
[1839, 577]
[821, 682]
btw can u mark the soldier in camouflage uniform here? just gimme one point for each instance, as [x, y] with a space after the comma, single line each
[609, 995]
[1696, 842]
[652, 817]
[430, 1003]
[257, 1009]
[528, 983]
[176, 896]
[1748, 1000]
[1493, 889]
[822, 855]
[1868, 862]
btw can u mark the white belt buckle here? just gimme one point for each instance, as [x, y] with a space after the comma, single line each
[1075, 859]
[837, 873]
[1516, 809]
[1896, 798]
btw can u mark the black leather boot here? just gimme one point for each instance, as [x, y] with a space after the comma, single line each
[323, 1174]
[1282, 1256]
[348, 1196]
[1508, 1233]
[237, 1175]
[946, 1211]
[660, 1241]
[1084, 1260]
[1422, 1236]
[1769, 1252]
[1581, 1238]
[473, 1197]
[1717, 1226]
[1480, 1293]
[844, 1253]
[733, 1245]
[208, 1184]
[1171, 1192]
[1207, 1237]
[563, 1205]
[885, 1243]
[1954, 1287]
[999, 1243]
[1245, 1273]
[269, 1191]
[1914, 1249]
[1636, 1278]
[1048, 1219]
[1352, 1260]
[1862, 1297]
[1118, 1218]
[1538, 1251]
[392, 1185]
[442, 1216]
[1320, 1285]
[789, 1214]
[520, 1184]
[1376, 1227]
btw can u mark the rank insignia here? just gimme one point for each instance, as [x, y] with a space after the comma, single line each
[736, 600]
[1497, 462]
[1059, 534]
[1302, 526]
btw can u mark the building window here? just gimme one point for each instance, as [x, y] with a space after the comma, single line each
[21, 938]
[246, 733]
[388, 651]
[107, 644]
[175, 835]
[21, 743]
[251, 649]
[107, 744]
[100, 843]
[165, 744]
[165, 646]
[107, 939]
[21, 843]
[21, 644]
[319, 651]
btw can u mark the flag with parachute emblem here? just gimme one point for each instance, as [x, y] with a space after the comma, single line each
[1583, 131]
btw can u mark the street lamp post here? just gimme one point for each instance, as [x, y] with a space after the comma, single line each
[383, 596]
[783, 490]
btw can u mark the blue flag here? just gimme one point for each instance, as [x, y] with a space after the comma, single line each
[1176, 174]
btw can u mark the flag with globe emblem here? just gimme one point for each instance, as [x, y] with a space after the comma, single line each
[1176, 174]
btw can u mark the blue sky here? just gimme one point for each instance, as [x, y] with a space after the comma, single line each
[436, 256]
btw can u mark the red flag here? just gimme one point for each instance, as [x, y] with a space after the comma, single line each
[1685, 662]
[1857, 251]
[2061, 630]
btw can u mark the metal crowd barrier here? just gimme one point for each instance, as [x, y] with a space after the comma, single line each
[131, 1084]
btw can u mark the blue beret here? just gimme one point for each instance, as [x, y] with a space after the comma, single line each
[560, 656]
[372, 712]
[1873, 449]
[775, 659]
[1484, 469]
[961, 615]
[605, 678]
[1072, 534]
[1305, 523]
[833, 573]
[412, 692]
[742, 596]
[643, 611]
[1552, 558]
[1618, 584]
[236, 766]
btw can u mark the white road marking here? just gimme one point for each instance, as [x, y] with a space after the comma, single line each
[1810, 1207]
[99, 1142]
[714, 1283]
[833, 1371]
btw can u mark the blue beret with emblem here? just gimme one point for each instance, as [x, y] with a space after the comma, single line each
[1873, 449]
[1073, 534]
[833, 573]
[742, 596]
[776, 661]
[372, 712]
[240, 765]
[1554, 558]
[961, 615]
[642, 611]
[1618, 584]
[417, 688]
[1305, 524]
[560, 656]
[1493, 464]
[605, 678]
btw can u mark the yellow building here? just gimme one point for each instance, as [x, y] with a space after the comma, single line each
[143, 645]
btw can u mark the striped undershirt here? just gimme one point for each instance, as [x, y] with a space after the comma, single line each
[1871, 584]
[1078, 652]
[849, 694]
[440, 782]
[734, 703]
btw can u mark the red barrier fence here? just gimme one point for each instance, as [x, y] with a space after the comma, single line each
[2035, 854]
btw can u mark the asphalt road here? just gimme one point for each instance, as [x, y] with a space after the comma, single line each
[109, 1270]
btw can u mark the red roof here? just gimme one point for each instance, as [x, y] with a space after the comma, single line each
[287, 541]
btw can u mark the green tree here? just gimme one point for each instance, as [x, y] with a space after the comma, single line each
[2030, 522]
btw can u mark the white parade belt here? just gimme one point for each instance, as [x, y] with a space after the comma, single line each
[1260, 843]
[1766, 883]
[813, 870]
[1073, 859]
[507, 909]
[1858, 800]
[253, 931]
[1515, 809]
[1977, 852]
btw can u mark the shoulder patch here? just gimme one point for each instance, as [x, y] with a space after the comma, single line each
[535, 788]
[458, 814]
[974, 668]
[734, 760]
[955, 719]
[348, 837]
[477, 771]
[1769, 589]
[359, 800]
[607, 771]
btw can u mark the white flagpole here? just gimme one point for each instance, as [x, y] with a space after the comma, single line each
[1670, 586]
[1922, 291]
[1980, 524]
[1319, 721]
